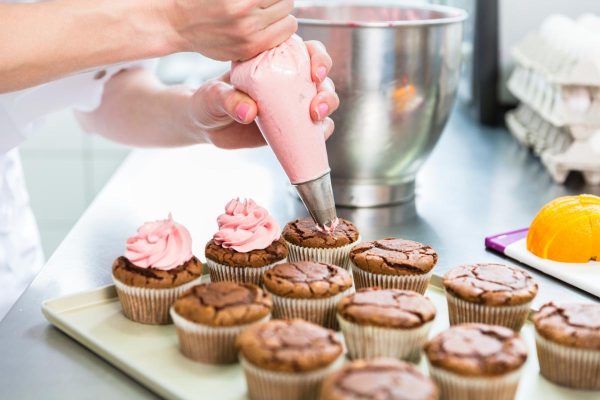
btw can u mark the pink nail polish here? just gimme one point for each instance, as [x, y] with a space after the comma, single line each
[322, 110]
[321, 73]
[242, 111]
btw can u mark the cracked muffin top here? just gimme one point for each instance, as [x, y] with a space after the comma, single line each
[392, 256]
[378, 379]
[477, 350]
[304, 232]
[491, 284]
[131, 275]
[258, 258]
[574, 325]
[289, 345]
[224, 304]
[306, 280]
[388, 308]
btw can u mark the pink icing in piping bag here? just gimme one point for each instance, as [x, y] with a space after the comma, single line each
[279, 80]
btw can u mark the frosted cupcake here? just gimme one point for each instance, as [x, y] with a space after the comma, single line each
[309, 242]
[247, 244]
[157, 267]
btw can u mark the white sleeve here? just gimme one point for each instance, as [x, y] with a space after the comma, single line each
[21, 111]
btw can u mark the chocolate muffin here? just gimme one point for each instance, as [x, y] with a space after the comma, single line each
[157, 267]
[393, 263]
[477, 361]
[489, 293]
[209, 317]
[247, 244]
[287, 359]
[308, 242]
[307, 290]
[385, 323]
[568, 344]
[378, 379]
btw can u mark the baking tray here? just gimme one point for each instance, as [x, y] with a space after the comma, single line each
[585, 276]
[149, 354]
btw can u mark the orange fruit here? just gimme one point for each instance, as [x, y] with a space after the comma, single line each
[567, 229]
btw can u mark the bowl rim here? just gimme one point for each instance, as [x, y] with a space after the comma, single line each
[453, 14]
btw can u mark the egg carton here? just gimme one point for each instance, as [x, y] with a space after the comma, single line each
[561, 105]
[564, 51]
[560, 151]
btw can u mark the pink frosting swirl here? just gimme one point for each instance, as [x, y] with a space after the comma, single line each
[163, 245]
[245, 226]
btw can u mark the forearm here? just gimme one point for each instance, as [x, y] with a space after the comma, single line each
[45, 41]
[138, 110]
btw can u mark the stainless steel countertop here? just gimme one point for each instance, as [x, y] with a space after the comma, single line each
[477, 182]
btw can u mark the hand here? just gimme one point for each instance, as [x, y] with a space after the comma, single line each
[229, 30]
[226, 116]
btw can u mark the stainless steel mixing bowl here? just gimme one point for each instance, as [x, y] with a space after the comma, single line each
[396, 70]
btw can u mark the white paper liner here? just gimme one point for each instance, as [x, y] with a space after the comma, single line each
[208, 344]
[417, 283]
[460, 387]
[339, 256]
[219, 272]
[264, 384]
[320, 311]
[568, 366]
[365, 341]
[461, 311]
[149, 305]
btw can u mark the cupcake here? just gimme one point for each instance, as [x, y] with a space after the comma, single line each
[493, 294]
[287, 359]
[307, 290]
[385, 323]
[247, 244]
[378, 379]
[393, 263]
[309, 242]
[157, 267]
[568, 344]
[209, 317]
[477, 361]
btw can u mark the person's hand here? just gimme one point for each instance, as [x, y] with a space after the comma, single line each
[228, 30]
[225, 116]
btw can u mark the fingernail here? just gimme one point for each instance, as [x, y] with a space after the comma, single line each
[321, 73]
[322, 110]
[242, 111]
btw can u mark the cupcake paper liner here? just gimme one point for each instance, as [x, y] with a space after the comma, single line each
[417, 283]
[320, 311]
[568, 366]
[264, 384]
[208, 344]
[461, 311]
[365, 341]
[339, 256]
[150, 305]
[219, 272]
[460, 387]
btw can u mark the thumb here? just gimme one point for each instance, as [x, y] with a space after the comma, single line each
[217, 104]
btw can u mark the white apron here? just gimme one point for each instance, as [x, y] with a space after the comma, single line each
[21, 255]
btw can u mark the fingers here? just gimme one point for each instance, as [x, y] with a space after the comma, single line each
[329, 126]
[272, 36]
[320, 60]
[325, 102]
[217, 104]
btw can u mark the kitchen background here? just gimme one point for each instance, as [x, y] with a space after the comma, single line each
[66, 168]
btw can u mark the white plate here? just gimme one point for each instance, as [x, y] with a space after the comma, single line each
[150, 355]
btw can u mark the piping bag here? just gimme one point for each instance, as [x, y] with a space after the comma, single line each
[279, 80]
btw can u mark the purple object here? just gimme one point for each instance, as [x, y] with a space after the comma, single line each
[500, 241]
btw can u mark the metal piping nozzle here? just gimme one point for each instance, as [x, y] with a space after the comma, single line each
[317, 196]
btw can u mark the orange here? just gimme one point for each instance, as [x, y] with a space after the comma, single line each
[567, 229]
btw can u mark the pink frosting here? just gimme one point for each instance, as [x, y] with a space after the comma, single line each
[279, 81]
[245, 226]
[163, 245]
